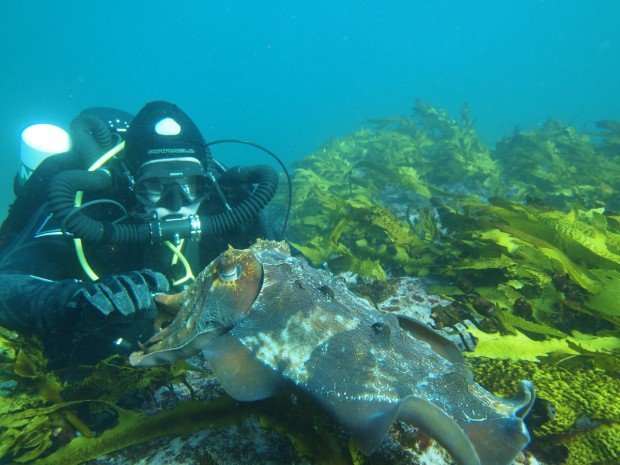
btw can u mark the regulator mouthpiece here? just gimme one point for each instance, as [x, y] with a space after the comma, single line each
[174, 229]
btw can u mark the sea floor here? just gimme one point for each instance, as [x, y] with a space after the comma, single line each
[252, 443]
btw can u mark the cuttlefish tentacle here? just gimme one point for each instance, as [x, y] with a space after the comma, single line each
[222, 294]
[448, 432]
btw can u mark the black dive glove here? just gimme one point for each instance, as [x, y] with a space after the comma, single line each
[114, 314]
[124, 293]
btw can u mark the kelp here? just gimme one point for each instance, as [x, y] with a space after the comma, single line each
[37, 424]
[30, 387]
[348, 217]
[191, 416]
[608, 138]
[523, 239]
[112, 379]
[454, 154]
[348, 190]
[558, 166]
[577, 351]
[539, 256]
[333, 216]
[39, 411]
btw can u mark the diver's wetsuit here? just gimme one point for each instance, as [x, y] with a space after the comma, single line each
[40, 273]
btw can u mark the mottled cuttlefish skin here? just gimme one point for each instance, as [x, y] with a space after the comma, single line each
[265, 319]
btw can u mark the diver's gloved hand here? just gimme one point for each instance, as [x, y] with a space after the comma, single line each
[123, 294]
[113, 315]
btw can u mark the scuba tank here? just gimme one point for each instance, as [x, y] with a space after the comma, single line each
[47, 150]
[38, 142]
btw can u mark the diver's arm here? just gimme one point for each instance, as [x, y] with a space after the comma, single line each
[35, 305]
[78, 322]
[41, 294]
[38, 274]
[82, 322]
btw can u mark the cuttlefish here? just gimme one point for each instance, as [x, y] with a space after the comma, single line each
[266, 320]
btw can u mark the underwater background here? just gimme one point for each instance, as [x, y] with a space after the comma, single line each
[290, 75]
[457, 157]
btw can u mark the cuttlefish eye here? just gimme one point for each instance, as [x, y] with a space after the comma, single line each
[379, 327]
[228, 272]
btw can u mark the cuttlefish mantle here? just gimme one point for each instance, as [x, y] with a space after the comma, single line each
[265, 319]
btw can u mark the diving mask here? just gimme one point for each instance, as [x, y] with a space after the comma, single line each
[171, 183]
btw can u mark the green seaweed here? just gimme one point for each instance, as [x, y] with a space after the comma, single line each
[188, 417]
[586, 422]
[31, 418]
[112, 379]
[523, 239]
[31, 388]
[554, 164]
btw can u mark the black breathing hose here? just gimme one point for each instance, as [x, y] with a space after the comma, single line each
[282, 165]
[267, 179]
[90, 137]
[62, 204]
[65, 185]
[266, 230]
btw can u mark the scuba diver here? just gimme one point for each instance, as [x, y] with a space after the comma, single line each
[136, 207]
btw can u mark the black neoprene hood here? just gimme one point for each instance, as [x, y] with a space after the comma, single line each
[144, 144]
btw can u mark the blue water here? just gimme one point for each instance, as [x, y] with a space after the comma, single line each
[290, 75]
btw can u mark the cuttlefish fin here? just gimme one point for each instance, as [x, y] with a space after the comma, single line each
[523, 400]
[240, 373]
[366, 422]
[443, 428]
[498, 441]
[440, 345]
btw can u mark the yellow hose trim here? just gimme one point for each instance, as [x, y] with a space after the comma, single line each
[79, 249]
[188, 269]
[175, 257]
[106, 156]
